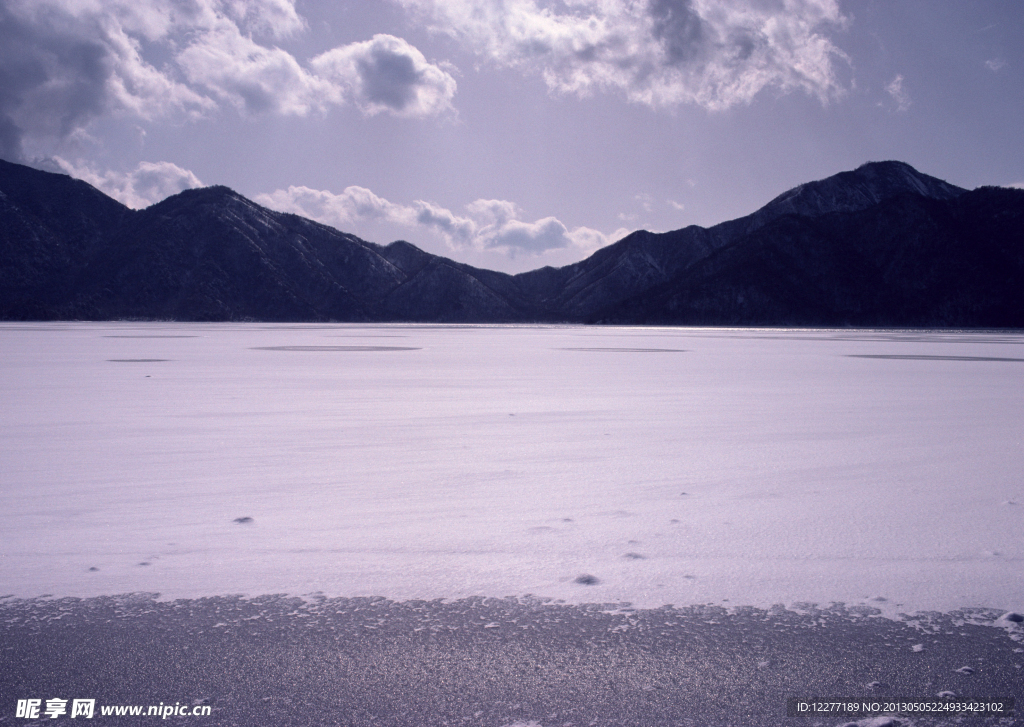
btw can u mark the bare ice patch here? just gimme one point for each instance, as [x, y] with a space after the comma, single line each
[335, 348]
[921, 357]
[625, 350]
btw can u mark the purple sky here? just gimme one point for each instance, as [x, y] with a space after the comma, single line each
[510, 134]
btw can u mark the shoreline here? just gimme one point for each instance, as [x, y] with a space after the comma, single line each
[495, 662]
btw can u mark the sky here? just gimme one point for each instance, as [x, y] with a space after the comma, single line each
[509, 134]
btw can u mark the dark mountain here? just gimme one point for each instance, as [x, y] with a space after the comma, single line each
[909, 260]
[68, 251]
[880, 245]
[644, 260]
[210, 254]
[860, 189]
[50, 225]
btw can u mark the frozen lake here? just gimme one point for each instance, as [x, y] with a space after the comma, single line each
[668, 466]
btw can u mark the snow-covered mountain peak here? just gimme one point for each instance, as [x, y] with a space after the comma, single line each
[866, 185]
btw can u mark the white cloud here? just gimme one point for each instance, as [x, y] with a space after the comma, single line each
[675, 205]
[65, 63]
[493, 212]
[253, 78]
[147, 184]
[489, 224]
[712, 53]
[387, 74]
[277, 18]
[458, 232]
[338, 210]
[898, 93]
[995, 65]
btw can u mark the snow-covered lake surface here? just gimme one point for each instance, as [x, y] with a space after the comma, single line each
[671, 466]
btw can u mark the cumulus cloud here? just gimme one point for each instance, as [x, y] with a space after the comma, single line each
[898, 93]
[338, 210]
[712, 53]
[458, 232]
[386, 74]
[535, 237]
[252, 77]
[495, 224]
[64, 63]
[277, 18]
[147, 184]
[488, 224]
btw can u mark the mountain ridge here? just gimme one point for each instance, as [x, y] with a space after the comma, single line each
[69, 251]
[924, 261]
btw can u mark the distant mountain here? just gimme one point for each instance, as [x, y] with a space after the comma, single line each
[883, 245]
[67, 251]
[860, 189]
[50, 226]
[909, 260]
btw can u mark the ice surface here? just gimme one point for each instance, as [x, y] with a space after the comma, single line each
[668, 465]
